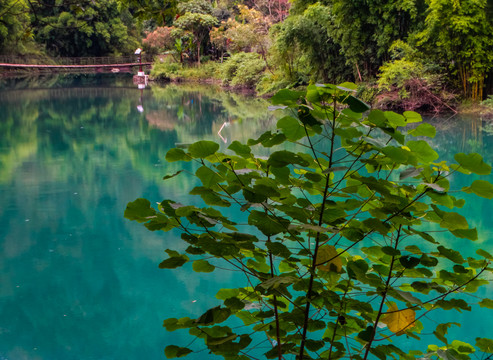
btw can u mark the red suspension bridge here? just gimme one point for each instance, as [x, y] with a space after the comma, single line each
[78, 64]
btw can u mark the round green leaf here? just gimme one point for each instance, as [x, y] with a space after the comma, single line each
[203, 148]
[202, 266]
[424, 129]
[473, 163]
[291, 128]
[207, 176]
[173, 351]
[481, 188]
[176, 154]
[412, 117]
[240, 149]
[139, 210]
[423, 150]
[485, 345]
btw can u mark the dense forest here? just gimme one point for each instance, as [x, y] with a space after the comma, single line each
[419, 54]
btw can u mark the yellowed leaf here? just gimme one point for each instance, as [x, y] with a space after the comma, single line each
[398, 321]
[326, 253]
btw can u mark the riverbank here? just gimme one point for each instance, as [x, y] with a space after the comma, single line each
[415, 95]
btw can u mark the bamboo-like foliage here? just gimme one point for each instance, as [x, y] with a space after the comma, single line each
[343, 244]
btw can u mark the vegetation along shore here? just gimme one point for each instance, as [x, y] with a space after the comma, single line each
[429, 56]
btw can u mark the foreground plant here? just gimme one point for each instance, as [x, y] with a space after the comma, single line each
[343, 244]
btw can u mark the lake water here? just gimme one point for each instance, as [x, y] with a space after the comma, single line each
[77, 280]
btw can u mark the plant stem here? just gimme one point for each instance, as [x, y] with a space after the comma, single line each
[276, 313]
[317, 240]
[384, 296]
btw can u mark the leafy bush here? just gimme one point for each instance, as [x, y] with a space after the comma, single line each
[168, 68]
[272, 82]
[243, 69]
[397, 72]
[206, 71]
[488, 101]
[165, 68]
[335, 243]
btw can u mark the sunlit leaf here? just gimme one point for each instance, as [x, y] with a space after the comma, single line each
[481, 188]
[395, 119]
[423, 150]
[328, 259]
[473, 163]
[398, 321]
[424, 129]
[412, 116]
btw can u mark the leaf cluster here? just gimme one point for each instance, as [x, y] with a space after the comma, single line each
[343, 243]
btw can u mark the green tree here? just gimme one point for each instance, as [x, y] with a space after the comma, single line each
[248, 31]
[335, 244]
[198, 20]
[307, 48]
[14, 26]
[88, 28]
[458, 33]
[365, 30]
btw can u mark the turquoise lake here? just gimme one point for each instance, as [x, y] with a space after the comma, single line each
[77, 280]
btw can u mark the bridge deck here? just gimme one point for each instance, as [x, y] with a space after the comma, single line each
[35, 66]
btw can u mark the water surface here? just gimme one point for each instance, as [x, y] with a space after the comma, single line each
[77, 280]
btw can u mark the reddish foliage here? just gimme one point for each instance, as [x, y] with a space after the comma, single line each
[159, 39]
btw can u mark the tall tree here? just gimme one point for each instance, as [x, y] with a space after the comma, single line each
[196, 17]
[458, 33]
[305, 43]
[86, 28]
[14, 26]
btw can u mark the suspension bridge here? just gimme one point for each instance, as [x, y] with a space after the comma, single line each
[75, 64]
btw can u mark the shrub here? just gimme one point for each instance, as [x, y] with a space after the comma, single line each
[396, 73]
[243, 69]
[165, 68]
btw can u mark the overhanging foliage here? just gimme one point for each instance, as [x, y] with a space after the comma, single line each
[344, 245]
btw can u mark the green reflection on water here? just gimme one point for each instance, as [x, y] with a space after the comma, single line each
[77, 280]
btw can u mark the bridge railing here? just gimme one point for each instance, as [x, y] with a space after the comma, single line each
[102, 60]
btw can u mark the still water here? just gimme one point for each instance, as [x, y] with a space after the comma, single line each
[77, 280]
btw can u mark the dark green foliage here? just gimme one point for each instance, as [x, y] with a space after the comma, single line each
[334, 240]
[243, 69]
[88, 28]
[14, 27]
